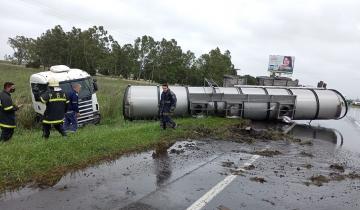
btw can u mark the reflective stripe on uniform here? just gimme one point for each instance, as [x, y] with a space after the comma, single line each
[57, 99]
[53, 121]
[8, 108]
[67, 102]
[7, 126]
[42, 100]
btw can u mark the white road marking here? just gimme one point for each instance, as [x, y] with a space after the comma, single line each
[207, 197]
[353, 120]
[357, 123]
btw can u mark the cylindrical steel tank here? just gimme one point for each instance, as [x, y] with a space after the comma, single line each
[255, 110]
[142, 102]
[220, 106]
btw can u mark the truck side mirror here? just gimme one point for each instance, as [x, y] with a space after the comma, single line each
[96, 88]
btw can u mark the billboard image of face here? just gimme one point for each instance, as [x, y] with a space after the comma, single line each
[281, 64]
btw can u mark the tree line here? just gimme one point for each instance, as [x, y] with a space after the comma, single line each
[96, 51]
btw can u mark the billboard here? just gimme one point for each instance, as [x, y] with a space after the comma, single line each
[281, 64]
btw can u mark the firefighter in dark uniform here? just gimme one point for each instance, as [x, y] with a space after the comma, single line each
[7, 112]
[167, 107]
[56, 105]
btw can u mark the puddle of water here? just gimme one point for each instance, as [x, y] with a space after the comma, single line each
[345, 132]
[348, 128]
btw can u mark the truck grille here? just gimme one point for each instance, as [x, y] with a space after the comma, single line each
[87, 114]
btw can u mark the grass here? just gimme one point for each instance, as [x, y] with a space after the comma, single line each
[110, 96]
[27, 158]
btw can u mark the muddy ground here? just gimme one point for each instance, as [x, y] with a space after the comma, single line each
[314, 173]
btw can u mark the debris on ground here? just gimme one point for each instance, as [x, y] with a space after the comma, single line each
[258, 179]
[319, 180]
[228, 164]
[223, 173]
[236, 172]
[337, 167]
[244, 133]
[337, 177]
[191, 146]
[306, 142]
[306, 154]
[308, 166]
[353, 175]
[202, 132]
[177, 151]
[249, 135]
[272, 203]
[248, 128]
[249, 167]
[267, 152]
[221, 207]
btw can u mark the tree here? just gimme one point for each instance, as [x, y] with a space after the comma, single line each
[215, 64]
[52, 47]
[128, 61]
[250, 80]
[193, 75]
[143, 48]
[94, 50]
[167, 64]
[20, 45]
[8, 57]
[96, 42]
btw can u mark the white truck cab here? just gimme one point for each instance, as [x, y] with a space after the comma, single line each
[88, 103]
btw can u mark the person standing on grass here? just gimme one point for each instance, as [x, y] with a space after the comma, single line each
[73, 113]
[7, 112]
[167, 107]
[56, 106]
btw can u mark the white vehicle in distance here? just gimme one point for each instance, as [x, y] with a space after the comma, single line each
[88, 103]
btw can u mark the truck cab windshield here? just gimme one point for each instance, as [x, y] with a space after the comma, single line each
[87, 88]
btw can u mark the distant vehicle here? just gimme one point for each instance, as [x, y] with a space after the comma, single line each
[356, 103]
[88, 103]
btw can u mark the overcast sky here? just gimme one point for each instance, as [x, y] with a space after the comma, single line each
[323, 35]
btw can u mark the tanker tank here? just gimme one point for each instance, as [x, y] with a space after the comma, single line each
[250, 102]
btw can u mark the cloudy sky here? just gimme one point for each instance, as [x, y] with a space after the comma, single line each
[323, 35]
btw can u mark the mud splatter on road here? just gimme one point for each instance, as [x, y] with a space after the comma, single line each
[258, 179]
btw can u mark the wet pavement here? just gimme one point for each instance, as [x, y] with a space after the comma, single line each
[212, 174]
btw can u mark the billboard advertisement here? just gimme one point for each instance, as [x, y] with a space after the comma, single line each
[281, 64]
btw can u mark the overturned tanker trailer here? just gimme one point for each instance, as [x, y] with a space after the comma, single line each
[250, 102]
